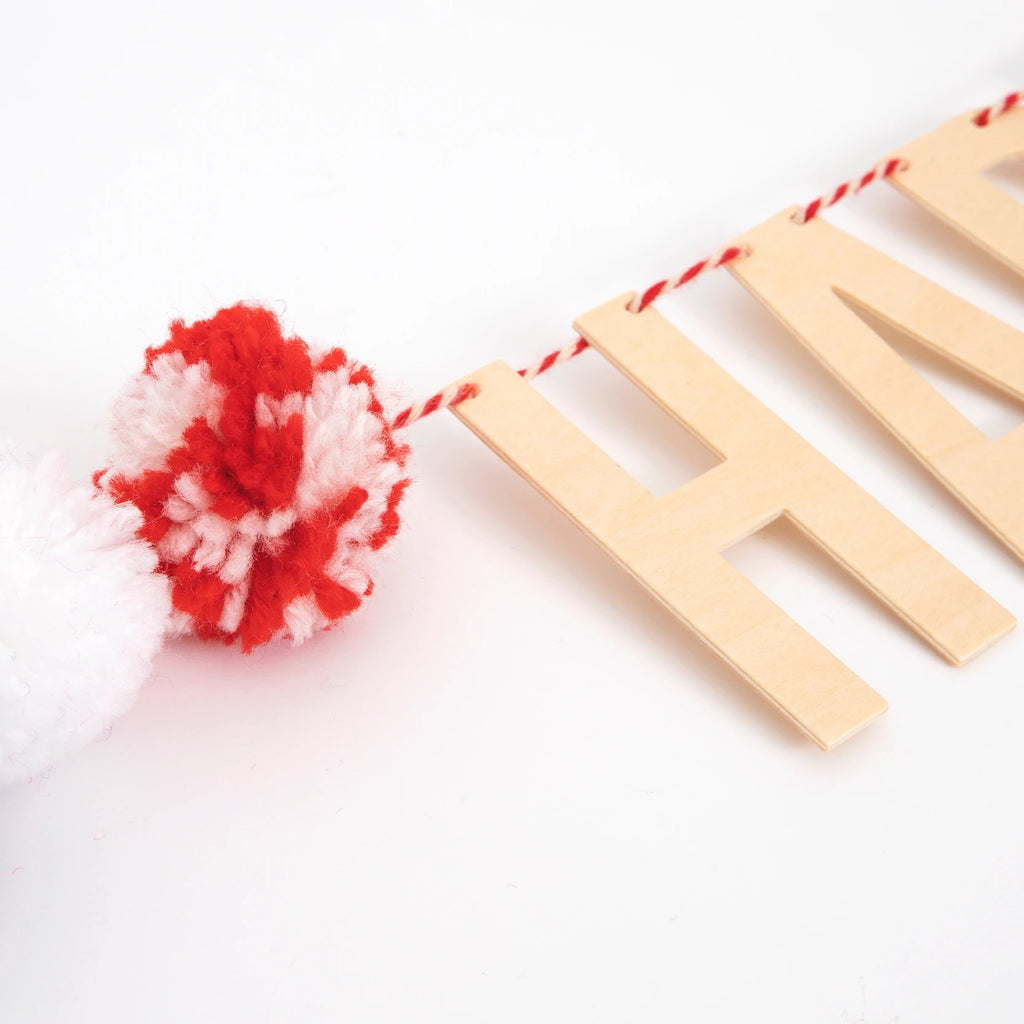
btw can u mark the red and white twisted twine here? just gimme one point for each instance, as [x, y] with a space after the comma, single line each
[456, 393]
[451, 395]
[1004, 106]
[885, 169]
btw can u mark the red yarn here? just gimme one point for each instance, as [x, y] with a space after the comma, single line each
[244, 455]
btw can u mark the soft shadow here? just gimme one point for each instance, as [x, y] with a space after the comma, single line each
[548, 539]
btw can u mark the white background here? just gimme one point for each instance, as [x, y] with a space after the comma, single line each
[512, 788]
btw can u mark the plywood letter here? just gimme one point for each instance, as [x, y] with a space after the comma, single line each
[673, 544]
[804, 272]
[944, 174]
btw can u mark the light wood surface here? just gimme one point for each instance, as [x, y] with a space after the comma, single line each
[673, 544]
[813, 276]
[945, 174]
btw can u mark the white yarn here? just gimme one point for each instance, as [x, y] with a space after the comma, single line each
[82, 613]
[180, 392]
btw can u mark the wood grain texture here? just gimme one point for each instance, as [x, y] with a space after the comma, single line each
[673, 544]
[945, 174]
[813, 276]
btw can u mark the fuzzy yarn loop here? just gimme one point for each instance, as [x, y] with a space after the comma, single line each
[82, 613]
[267, 476]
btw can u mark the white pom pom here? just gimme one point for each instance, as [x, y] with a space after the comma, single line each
[82, 613]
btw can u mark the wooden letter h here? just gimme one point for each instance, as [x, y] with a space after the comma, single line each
[673, 545]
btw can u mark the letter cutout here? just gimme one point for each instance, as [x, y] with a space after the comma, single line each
[804, 272]
[944, 175]
[672, 545]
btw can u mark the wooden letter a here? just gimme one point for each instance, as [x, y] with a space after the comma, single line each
[945, 174]
[673, 545]
[812, 277]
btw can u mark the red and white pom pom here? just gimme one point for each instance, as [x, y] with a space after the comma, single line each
[267, 475]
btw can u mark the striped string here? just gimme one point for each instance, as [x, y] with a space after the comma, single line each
[885, 169]
[457, 393]
[556, 358]
[1004, 106]
[733, 252]
[442, 400]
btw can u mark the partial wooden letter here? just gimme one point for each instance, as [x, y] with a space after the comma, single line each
[810, 275]
[944, 174]
[673, 545]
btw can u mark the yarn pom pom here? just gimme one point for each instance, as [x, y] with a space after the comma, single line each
[267, 476]
[82, 612]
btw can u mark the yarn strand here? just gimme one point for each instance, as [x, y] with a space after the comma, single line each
[885, 169]
[457, 393]
[1004, 106]
[442, 400]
